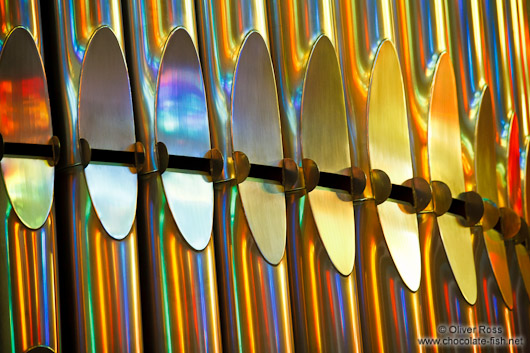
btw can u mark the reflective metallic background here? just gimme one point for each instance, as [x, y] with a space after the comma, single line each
[136, 252]
[175, 209]
[252, 269]
[29, 293]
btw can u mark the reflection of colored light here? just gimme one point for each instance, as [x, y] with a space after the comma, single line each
[394, 308]
[45, 286]
[405, 316]
[21, 299]
[246, 285]
[36, 296]
[509, 325]
[178, 295]
[100, 280]
[416, 308]
[486, 298]
[374, 280]
[314, 294]
[429, 286]
[447, 301]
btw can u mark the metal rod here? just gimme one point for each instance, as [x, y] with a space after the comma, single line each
[36, 151]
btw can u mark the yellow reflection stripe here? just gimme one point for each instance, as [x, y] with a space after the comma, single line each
[20, 281]
[248, 300]
[176, 285]
[314, 293]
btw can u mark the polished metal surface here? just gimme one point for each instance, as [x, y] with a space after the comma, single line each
[389, 150]
[491, 307]
[182, 125]
[74, 24]
[25, 114]
[99, 274]
[323, 99]
[29, 290]
[223, 28]
[519, 265]
[391, 315]
[254, 301]
[312, 110]
[479, 131]
[179, 287]
[446, 164]
[29, 300]
[105, 121]
[435, 130]
[175, 209]
[363, 31]
[100, 289]
[256, 132]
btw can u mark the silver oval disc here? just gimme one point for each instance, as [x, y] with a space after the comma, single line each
[256, 132]
[25, 118]
[106, 121]
[324, 139]
[182, 125]
[445, 164]
[389, 150]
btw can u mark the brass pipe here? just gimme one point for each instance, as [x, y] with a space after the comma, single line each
[447, 252]
[178, 280]
[465, 21]
[100, 292]
[313, 116]
[517, 178]
[29, 300]
[249, 217]
[388, 275]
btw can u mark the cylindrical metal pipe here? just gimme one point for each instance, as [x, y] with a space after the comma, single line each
[388, 274]
[100, 292]
[313, 115]
[249, 218]
[177, 273]
[447, 251]
[29, 300]
[465, 23]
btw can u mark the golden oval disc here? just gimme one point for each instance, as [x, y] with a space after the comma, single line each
[25, 112]
[485, 171]
[256, 132]
[389, 150]
[106, 121]
[523, 259]
[445, 164]
[182, 125]
[324, 139]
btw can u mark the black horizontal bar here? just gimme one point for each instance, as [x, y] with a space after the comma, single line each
[402, 193]
[198, 164]
[112, 157]
[335, 181]
[37, 151]
[266, 172]
[458, 208]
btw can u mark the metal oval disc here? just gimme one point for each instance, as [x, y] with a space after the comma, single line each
[182, 125]
[324, 139]
[445, 164]
[523, 259]
[25, 114]
[106, 121]
[485, 171]
[389, 150]
[256, 132]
